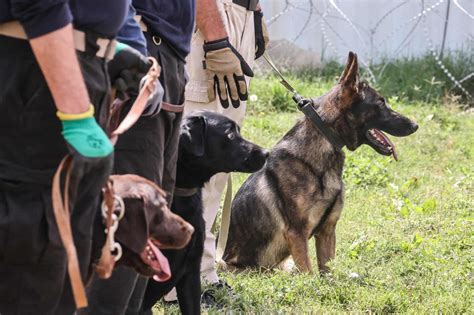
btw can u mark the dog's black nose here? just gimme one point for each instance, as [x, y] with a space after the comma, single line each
[414, 126]
[265, 153]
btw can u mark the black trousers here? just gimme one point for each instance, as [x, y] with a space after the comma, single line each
[33, 266]
[148, 149]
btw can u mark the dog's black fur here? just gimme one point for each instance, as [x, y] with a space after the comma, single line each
[210, 143]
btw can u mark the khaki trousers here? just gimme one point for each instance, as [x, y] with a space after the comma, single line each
[240, 27]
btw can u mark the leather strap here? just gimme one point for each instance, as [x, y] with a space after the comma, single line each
[106, 262]
[172, 108]
[106, 46]
[62, 216]
[225, 221]
[308, 109]
[140, 103]
[185, 192]
[310, 112]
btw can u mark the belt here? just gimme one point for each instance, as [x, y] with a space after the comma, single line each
[250, 5]
[139, 20]
[106, 46]
[144, 28]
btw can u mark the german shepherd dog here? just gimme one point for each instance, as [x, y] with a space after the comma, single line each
[299, 192]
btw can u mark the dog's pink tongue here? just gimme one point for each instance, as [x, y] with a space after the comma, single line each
[165, 273]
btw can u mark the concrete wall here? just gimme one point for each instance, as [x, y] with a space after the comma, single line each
[373, 28]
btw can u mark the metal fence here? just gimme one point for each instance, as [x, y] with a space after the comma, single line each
[310, 32]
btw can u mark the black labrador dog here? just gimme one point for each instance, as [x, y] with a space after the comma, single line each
[209, 143]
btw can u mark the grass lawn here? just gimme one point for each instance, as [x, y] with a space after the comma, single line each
[405, 239]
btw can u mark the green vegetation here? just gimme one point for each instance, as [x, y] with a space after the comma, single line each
[407, 80]
[405, 241]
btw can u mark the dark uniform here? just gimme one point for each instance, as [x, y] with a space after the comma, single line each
[150, 147]
[33, 270]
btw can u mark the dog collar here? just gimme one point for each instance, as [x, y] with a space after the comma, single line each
[185, 192]
[306, 106]
[309, 110]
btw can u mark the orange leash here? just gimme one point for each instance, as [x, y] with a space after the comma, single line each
[62, 215]
[140, 103]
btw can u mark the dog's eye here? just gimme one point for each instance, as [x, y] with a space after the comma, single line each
[231, 135]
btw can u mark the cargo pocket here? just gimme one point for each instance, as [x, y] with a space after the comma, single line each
[27, 227]
[196, 88]
[136, 154]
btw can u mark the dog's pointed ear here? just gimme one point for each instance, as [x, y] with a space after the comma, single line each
[193, 135]
[350, 76]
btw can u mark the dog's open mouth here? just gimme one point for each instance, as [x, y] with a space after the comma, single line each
[381, 143]
[153, 257]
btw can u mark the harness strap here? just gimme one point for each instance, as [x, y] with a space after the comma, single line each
[106, 261]
[106, 46]
[62, 216]
[185, 192]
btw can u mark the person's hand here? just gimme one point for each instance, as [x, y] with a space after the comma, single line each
[91, 152]
[225, 69]
[126, 70]
[84, 136]
[261, 34]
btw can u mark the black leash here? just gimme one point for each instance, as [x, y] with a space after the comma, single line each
[308, 108]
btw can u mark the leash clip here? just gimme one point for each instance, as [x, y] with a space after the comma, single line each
[118, 211]
[115, 247]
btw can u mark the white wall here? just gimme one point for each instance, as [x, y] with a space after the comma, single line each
[400, 33]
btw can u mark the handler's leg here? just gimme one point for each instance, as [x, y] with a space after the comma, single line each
[148, 149]
[33, 273]
[32, 260]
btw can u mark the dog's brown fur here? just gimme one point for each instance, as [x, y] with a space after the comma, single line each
[299, 193]
[147, 216]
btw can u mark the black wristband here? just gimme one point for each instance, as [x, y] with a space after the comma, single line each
[216, 44]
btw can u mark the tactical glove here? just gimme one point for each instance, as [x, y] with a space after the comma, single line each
[225, 69]
[261, 34]
[84, 136]
[126, 70]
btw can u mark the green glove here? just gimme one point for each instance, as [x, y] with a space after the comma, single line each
[84, 135]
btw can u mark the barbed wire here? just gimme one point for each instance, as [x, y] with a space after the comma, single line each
[440, 63]
[324, 25]
[348, 21]
[456, 3]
